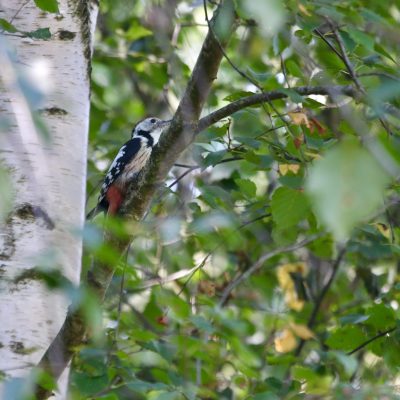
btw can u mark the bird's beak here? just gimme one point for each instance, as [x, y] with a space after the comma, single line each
[165, 123]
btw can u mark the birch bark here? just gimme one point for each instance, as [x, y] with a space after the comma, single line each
[48, 174]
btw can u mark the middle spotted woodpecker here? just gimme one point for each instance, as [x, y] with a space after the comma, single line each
[130, 160]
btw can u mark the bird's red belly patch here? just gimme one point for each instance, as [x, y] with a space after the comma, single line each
[114, 198]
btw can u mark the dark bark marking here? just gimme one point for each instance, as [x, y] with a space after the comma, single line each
[53, 111]
[30, 212]
[66, 35]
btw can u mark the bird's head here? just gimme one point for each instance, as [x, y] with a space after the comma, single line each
[150, 126]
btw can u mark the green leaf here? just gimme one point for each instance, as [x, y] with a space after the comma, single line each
[381, 317]
[293, 95]
[345, 187]
[213, 158]
[143, 386]
[7, 26]
[168, 396]
[46, 381]
[362, 38]
[111, 396]
[270, 15]
[382, 51]
[294, 69]
[47, 5]
[87, 384]
[42, 33]
[349, 363]
[179, 308]
[346, 338]
[288, 207]
[202, 324]
[238, 95]
[247, 187]
[265, 396]
[137, 31]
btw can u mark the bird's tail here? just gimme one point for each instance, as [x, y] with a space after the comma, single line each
[92, 213]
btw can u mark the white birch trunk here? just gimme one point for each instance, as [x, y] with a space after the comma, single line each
[48, 176]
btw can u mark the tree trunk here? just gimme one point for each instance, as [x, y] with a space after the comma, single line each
[49, 78]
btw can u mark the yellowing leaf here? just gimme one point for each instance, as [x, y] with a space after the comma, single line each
[286, 283]
[302, 331]
[285, 341]
[304, 10]
[207, 287]
[293, 301]
[383, 229]
[285, 168]
[284, 279]
[299, 118]
[288, 207]
[286, 269]
[315, 156]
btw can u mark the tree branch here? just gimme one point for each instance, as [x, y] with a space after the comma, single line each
[183, 128]
[252, 100]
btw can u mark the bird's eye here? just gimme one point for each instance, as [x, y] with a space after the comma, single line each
[153, 120]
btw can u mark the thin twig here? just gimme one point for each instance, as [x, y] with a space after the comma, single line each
[180, 177]
[184, 165]
[183, 273]
[325, 289]
[255, 220]
[352, 72]
[347, 61]
[367, 342]
[159, 281]
[321, 296]
[238, 70]
[330, 45]
[259, 263]
[283, 67]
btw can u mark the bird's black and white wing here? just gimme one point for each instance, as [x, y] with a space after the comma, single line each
[125, 156]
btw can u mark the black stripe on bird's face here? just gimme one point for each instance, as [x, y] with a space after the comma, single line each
[146, 135]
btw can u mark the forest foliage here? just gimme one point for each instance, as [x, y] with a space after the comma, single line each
[267, 266]
[284, 215]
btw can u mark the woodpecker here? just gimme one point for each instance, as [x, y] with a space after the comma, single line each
[130, 160]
